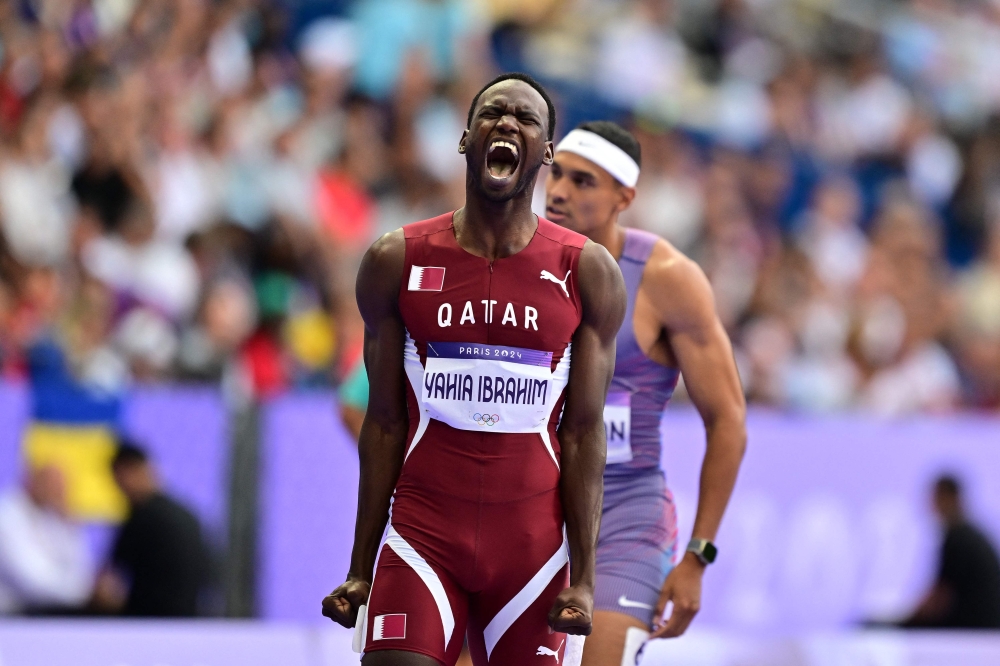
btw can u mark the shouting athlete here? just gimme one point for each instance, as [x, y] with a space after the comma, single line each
[482, 327]
[670, 328]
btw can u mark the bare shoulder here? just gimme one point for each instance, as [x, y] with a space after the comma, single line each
[599, 271]
[677, 286]
[596, 260]
[388, 251]
[381, 272]
[602, 288]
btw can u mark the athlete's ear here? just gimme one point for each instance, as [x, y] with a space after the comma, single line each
[461, 143]
[550, 154]
[625, 197]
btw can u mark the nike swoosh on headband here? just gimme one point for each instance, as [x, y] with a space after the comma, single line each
[625, 602]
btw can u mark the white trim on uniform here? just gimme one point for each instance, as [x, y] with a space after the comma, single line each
[522, 600]
[385, 535]
[415, 374]
[407, 553]
[548, 445]
[560, 379]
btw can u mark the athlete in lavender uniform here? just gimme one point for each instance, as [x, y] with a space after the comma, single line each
[670, 327]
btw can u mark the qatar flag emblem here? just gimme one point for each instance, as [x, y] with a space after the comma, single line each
[426, 278]
[389, 626]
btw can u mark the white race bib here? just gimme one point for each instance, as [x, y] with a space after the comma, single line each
[490, 388]
[618, 427]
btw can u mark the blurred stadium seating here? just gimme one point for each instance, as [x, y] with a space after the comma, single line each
[186, 186]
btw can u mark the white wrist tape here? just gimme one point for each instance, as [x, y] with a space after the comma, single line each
[361, 630]
[603, 153]
[574, 650]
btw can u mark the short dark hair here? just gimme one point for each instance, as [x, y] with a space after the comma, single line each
[948, 484]
[517, 76]
[617, 135]
[128, 453]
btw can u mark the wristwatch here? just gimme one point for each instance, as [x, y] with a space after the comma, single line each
[703, 549]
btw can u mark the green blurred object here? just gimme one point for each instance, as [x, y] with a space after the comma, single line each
[274, 293]
[354, 390]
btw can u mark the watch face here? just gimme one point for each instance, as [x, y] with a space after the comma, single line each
[710, 552]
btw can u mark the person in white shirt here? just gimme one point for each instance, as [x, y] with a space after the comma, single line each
[45, 564]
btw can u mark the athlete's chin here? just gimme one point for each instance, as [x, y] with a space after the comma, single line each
[500, 190]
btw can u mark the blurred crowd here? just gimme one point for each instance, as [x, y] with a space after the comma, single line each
[186, 186]
[158, 564]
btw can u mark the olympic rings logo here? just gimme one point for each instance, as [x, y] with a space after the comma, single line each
[486, 419]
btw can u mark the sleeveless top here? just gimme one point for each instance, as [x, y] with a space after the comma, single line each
[641, 387]
[487, 359]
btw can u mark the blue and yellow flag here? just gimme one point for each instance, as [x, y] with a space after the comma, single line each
[83, 453]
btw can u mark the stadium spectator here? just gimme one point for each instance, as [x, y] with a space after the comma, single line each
[977, 325]
[966, 594]
[391, 32]
[45, 562]
[199, 179]
[159, 562]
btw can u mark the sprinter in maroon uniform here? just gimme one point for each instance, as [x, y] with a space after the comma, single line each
[490, 344]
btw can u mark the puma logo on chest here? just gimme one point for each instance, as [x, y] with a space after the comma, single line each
[562, 283]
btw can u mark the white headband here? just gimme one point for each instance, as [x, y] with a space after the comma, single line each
[603, 153]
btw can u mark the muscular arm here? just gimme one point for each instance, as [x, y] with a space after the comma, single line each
[705, 356]
[683, 298]
[383, 431]
[581, 431]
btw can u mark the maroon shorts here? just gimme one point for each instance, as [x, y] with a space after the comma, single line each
[470, 562]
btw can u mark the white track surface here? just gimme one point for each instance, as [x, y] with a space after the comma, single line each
[222, 643]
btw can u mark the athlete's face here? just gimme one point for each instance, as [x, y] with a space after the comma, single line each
[582, 196]
[507, 142]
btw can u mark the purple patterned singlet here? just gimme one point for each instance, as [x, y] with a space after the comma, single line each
[638, 538]
[641, 387]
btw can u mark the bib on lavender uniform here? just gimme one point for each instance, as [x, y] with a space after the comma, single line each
[640, 387]
[618, 426]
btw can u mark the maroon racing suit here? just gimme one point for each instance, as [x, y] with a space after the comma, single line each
[475, 541]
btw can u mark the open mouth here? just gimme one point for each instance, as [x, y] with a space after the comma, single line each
[501, 159]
